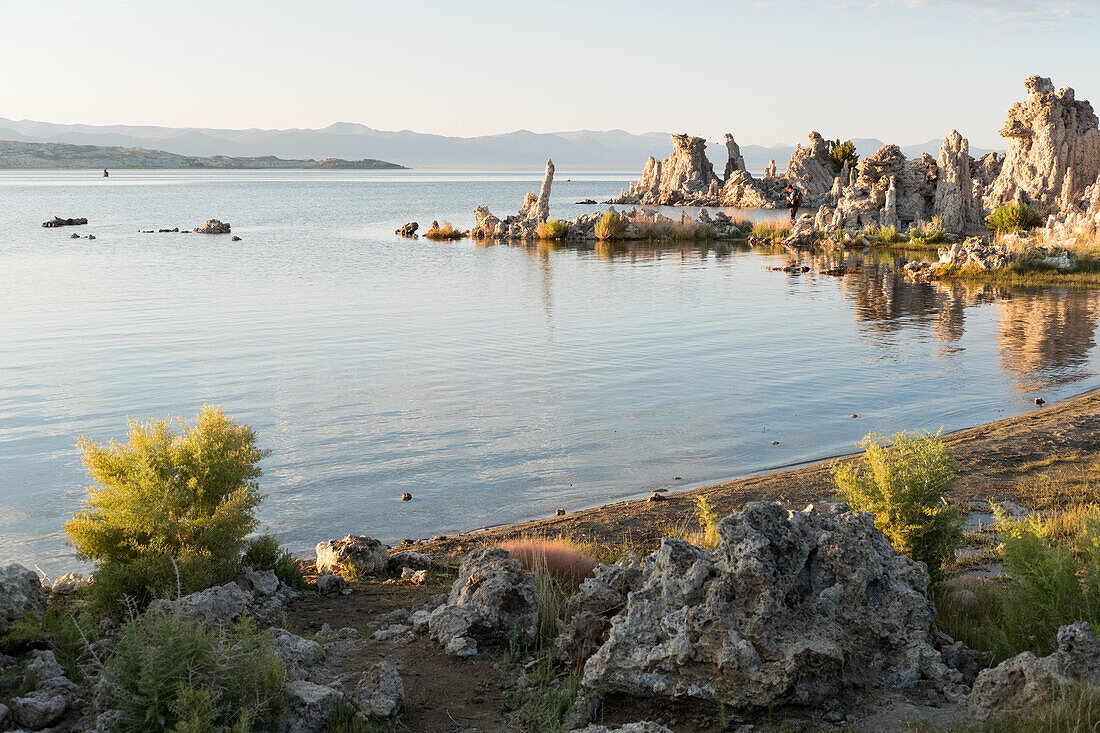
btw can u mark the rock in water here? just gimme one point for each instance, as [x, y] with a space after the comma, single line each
[213, 226]
[1025, 682]
[1053, 151]
[407, 230]
[57, 221]
[685, 175]
[812, 170]
[788, 609]
[494, 599]
[736, 162]
[954, 199]
[20, 593]
[352, 557]
[544, 192]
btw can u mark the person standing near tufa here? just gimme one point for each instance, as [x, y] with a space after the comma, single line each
[794, 200]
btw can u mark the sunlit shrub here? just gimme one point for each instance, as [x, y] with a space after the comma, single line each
[1009, 218]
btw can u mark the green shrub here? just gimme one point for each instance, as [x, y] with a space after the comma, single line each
[168, 671]
[843, 151]
[708, 521]
[264, 553]
[888, 235]
[170, 510]
[904, 487]
[553, 229]
[1013, 217]
[610, 226]
[770, 230]
[928, 233]
[547, 698]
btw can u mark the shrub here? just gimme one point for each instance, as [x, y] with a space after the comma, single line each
[169, 671]
[928, 232]
[1013, 217]
[708, 521]
[843, 151]
[170, 510]
[445, 232]
[264, 553]
[610, 226]
[553, 229]
[888, 235]
[770, 230]
[904, 487]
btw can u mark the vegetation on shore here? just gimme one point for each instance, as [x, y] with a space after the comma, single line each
[1009, 218]
[443, 233]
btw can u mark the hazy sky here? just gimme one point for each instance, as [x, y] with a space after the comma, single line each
[904, 71]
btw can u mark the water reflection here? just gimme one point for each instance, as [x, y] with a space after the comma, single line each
[1045, 336]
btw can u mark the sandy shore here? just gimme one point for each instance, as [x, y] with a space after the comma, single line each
[995, 463]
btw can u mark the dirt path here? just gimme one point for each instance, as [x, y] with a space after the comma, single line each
[995, 463]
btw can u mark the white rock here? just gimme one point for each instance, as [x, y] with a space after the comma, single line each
[20, 593]
[352, 556]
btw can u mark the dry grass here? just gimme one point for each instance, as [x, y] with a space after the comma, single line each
[553, 229]
[560, 557]
[771, 230]
[445, 232]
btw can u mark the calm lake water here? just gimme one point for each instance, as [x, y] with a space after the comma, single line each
[493, 383]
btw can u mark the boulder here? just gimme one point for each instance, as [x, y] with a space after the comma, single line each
[494, 599]
[352, 557]
[407, 230]
[296, 653]
[790, 608]
[330, 584]
[20, 594]
[409, 559]
[57, 221]
[41, 708]
[310, 705]
[1025, 682]
[1053, 151]
[380, 692]
[213, 226]
[592, 607]
[221, 604]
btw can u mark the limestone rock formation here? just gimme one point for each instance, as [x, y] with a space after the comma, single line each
[812, 170]
[258, 594]
[956, 201]
[769, 171]
[683, 177]
[20, 593]
[50, 697]
[889, 216]
[597, 600]
[544, 192]
[494, 599]
[295, 652]
[1053, 151]
[213, 226]
[735, 162]
[790, 608]
[1025, 682]
[352, 556]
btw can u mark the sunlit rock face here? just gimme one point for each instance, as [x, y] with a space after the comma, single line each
[1053, 152]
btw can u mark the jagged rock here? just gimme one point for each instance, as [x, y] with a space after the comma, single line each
[213, 226]
[735, 162]
[682, 177]
[769, 171]
[409, 559]
[1053, 150]
[352, 556]
[486, 226]
[68, 584]
[416, 576]
[642, 727]
[41, 708]
[20, 593]
[889, 217]
[824, 218]
[915, 184]
[380, 692]
[596, 601]
[222, 604]
[330, 584]
[494, 599]
[407, 230]
[310, 705]
[802, 233]
[57, 221]
[42, 668]
[955, 196]
[790, 608]
[262, 583]
[543, 208]
[812, 171]
[1025, 682]
[296, 653]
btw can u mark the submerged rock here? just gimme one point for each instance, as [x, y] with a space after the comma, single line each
[57, 221]
[790, 608]
[213, 226]
[407, 230]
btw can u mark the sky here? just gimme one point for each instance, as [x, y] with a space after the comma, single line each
[904, 71]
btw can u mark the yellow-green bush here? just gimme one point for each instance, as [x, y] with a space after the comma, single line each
[904, 487]
[553, 229]
[170, 508]
[1013, 217]
[610, 226]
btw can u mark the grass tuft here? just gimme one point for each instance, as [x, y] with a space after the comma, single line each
[1012, 218]
[553, 229]
[444, 233]
[610, 226]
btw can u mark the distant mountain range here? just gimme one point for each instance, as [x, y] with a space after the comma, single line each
[520, 150]
[37, 155]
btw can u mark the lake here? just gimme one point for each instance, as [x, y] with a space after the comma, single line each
[493, 383]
